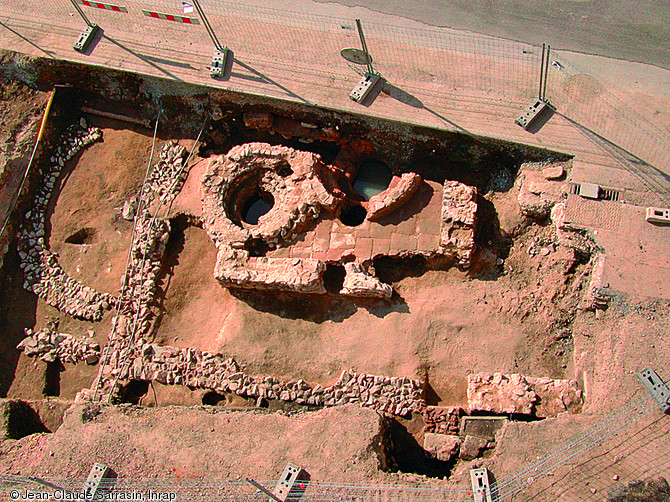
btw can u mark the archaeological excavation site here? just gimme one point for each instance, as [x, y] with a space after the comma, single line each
[201, 284]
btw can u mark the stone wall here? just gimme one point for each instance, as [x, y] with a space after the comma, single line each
[134, 319]
[305, 192]
[49, 345]
[539, 397]
[43, 275]
[457, 230]
[442, 420]
[302, 275]
[203, 370]
[399, 191]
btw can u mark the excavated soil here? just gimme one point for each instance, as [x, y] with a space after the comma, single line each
[440, 325]
[520, 316]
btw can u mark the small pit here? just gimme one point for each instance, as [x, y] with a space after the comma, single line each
[353, 216]
[212, 398]
[82, 236]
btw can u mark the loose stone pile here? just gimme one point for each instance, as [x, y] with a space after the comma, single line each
[49, 346]
[43, 275]
[197, 369]
[442, 447]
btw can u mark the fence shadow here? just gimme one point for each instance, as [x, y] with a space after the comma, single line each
[406, 98]
[653, 178]
[48, 53]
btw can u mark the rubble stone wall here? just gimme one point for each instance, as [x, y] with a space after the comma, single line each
[539, 397]
[43, 275]
[203, 370]
[457, 231]
[49, 346]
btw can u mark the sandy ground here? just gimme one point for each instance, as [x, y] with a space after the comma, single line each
[421, 332]
[167, 443]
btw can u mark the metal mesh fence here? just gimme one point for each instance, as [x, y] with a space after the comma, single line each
[607, 458]
[484, 69]
[629, 139]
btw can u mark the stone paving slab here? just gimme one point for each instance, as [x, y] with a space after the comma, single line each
[414, 227]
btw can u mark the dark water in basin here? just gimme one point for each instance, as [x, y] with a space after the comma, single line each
[254, 209]
[373, 177]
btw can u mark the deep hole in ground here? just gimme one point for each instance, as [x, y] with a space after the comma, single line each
[20, 420]
[211, 398]
[82, 236]
[353, 216]
[256, 206]
[392, 269]
[17, 312]
[333, 278]
[52, 378]
[133, 391]
[372, 178]
[174, 246]
[407, 455]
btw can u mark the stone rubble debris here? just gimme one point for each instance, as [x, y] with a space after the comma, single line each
[471, 447]
[49, 346]
[360, 281]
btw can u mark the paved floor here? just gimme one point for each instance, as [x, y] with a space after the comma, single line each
[414, 228]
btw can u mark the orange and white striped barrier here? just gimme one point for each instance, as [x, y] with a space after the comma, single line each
[103, 5]
[170, 17]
